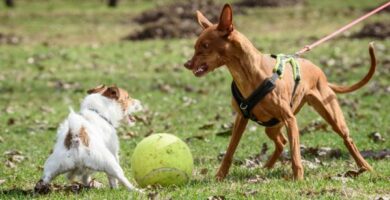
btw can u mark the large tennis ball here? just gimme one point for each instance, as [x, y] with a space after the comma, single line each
[161, 159]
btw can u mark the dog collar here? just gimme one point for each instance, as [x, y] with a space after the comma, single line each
[101, 116]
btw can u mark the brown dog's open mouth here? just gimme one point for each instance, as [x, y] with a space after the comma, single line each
[201, 70]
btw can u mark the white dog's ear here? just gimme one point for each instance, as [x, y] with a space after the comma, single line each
[112, 92]
[97, 89]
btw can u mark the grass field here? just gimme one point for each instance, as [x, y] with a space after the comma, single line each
[70, 46]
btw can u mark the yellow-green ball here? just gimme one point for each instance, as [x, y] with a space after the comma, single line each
[161, 159]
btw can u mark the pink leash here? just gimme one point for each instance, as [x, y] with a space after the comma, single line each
[324, 39]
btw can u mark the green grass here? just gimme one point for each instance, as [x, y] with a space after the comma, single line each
[78, 44]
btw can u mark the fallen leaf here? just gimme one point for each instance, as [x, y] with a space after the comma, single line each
[378, 155]
[166, 88]
[11, 121]
[322, 152]
[314, 126]
[2, 181]
[376, 137]
[146, 118]
[203, 171]
[189, 88]
[342, 179]
[149, 132]
[257, 179]
[74, 187]
[153, 195]
[188, 101]
[129, 135]
[220, 197]
[309, 164]
[198, 137]
[46, 109]
[207, 126]
[14, 156]
[256, 160]
[352, 173]
[250, 193]
[382, 198]
[9, 164]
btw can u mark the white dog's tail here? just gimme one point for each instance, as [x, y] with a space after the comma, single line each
[74, 121]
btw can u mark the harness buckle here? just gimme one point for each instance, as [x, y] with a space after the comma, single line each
[243, 106]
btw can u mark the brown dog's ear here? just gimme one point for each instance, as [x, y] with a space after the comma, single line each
[226, 20]
[112, 92]
[202, 20]
[97, 89]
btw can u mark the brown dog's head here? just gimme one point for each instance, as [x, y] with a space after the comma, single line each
[212, 44]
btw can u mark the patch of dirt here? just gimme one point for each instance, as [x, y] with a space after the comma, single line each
[377, 155]
[175, 20]
[379, 30]
[10, 39]
[268, 3]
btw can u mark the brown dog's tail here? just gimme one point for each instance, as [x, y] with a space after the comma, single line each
[361, 83]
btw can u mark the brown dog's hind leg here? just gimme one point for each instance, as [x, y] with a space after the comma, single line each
[238, 130]
[275, 134]
[325, 103]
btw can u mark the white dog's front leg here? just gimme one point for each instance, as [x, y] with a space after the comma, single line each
[114, 170]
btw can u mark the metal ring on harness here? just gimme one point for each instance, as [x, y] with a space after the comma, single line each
[243, 106]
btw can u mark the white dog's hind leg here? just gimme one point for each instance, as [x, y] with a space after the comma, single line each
[54, 166]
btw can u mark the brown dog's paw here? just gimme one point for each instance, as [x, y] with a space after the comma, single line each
[220, 176]
[42, 188]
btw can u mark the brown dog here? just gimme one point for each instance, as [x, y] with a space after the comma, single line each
[220, 44]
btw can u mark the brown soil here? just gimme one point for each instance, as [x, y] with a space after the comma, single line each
[175, 20]
[379, 30]
[10, 39]
[268, 3]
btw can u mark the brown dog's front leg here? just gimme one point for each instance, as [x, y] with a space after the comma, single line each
[293, 137]
[238, 130]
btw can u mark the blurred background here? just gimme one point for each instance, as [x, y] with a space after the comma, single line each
[52, 51]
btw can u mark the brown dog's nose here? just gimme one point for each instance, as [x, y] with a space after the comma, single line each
[188, 64]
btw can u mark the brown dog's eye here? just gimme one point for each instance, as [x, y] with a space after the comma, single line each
[205, 45]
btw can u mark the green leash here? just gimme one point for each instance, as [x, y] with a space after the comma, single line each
[281, 61]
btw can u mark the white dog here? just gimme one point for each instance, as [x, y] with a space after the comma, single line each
[87, 141]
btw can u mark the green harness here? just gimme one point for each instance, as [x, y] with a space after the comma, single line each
[281, 61]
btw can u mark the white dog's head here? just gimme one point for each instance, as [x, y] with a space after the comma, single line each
[116, 102]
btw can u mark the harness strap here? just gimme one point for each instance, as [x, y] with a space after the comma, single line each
[247, 104]
[281, 61]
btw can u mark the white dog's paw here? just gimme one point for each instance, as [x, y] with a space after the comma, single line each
[95, 184]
